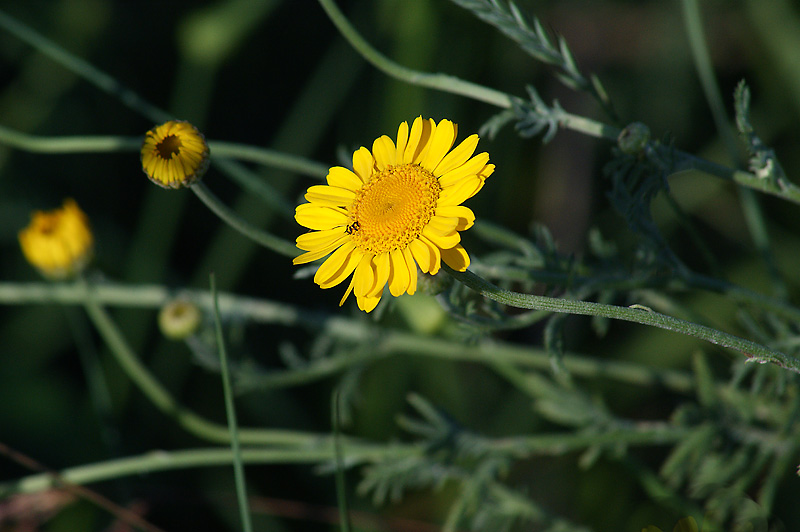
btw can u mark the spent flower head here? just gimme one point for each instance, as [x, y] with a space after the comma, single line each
[174, 154]
[399, 208]
[58, 243]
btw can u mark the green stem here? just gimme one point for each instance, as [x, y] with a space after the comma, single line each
[82, 68]
[322, 451]
[313, 452]
[217, 148]
[230, 410]
[441, 82]
[228, 216]
[753, 213]
[164, 401]
[267, 157]
[753, 351]
[391, 342]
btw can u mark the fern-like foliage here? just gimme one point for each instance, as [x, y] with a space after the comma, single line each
[763, 161]
[529, 33]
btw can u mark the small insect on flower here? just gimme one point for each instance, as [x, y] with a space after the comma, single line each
[174, 154]
[352, 228]
[58, 243]
[399, 208]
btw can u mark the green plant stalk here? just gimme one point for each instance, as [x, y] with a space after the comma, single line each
[576, 123]
[441, 82]
[82, 68]
[230, 411]
[155, 461]
[752, 211]
[228, 216]
[322, 451]
[164, 401]
[102, 144]
[341, 487]
[753, 351]
[391, 342]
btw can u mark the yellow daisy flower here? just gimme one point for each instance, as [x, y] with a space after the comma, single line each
[59, 242]
[174, 154]
[399, 208]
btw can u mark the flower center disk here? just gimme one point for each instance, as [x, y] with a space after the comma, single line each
[391, 210]
[171, 145]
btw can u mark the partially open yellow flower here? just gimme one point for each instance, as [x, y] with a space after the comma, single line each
[399, 207]
[58, 243]
[174, 154]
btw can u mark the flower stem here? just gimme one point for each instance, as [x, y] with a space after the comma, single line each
[343, 329]
[441, 82]
[753, 351]
[230, 410]
[82, 68]
[228, 216]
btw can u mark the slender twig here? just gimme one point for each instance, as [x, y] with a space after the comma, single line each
[391, 342]
[56, 479]
[442, 82]
[82, 68]
[230, 217]
[230, 410]
[217, 148]
[753, 351]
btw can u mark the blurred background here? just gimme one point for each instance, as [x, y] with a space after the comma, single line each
[277, 74]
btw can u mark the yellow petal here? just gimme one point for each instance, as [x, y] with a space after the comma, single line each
[426, 254]
[421, 131]
[457, 195]
[347, 292]
[486, 171]
[338, 266]
[383, 267]
[319, 239]
[470, 168]
[339, 176]
[330, 196]
[425, 141]
[363, 164]
[440, 143]
[384, 151]
[445, 241]
[456, 257]
[311, 256]
[364, 276]
[320, 217]
[368, 304]
[458, 156]
[422, 254]
[442, 226]
[399, 277]
[412, 270]
[465, 216]
[402, 140]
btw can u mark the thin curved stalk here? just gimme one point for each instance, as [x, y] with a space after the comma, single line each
[227, 215]
[753, 351]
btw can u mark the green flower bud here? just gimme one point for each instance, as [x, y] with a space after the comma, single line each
[179, 319]
[633, 138]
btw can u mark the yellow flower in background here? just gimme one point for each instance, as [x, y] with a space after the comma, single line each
[174, 154]
[400, 207]
[58, 243]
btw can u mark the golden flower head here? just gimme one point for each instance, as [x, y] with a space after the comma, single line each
[399, 208]
[59, 242]
[174, 154]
